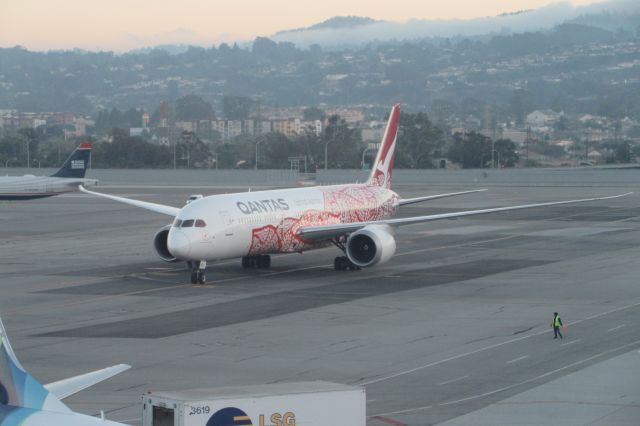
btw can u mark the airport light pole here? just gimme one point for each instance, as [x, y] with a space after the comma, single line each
[326, 145]
[370, 147]
[258, 143]
[498, 153]
[493, 149]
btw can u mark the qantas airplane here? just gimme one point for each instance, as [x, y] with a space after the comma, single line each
[67, 179]
[356, 218]
[24, 401]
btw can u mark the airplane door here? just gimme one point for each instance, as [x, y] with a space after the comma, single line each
[227, 221]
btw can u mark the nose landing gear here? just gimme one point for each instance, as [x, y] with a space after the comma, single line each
[198, 269]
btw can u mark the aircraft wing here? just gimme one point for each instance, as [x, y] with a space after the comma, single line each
[158, 208]
[327, 232]
[67, 387]
[405, 201]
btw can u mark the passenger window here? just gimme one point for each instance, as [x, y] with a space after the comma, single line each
[177, 223]
[187, 223]
[200, 223]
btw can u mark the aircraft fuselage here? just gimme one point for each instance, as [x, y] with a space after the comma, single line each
[266, 222]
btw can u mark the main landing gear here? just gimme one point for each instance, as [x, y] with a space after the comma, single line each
[198, 275]
[342, 263]
[260, 261]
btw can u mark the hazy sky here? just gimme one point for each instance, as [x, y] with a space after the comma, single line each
[127, 24]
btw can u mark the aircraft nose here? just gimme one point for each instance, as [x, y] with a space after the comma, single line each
[178, 244]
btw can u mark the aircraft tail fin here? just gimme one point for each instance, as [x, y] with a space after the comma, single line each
[19, 388]
[76, 165]
[383, 164]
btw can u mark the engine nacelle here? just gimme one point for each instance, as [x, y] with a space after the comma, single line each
[371, 245]
[160, 244]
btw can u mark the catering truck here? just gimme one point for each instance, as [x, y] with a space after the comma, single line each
[284, 404]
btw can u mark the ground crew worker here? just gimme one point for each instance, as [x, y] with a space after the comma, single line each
[556, 324]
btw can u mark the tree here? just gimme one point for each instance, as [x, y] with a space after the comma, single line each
[313, 113]
[343, 144]
[277, 149]
[470, 150]
[418, 141]
[236, 107]
[193, 108]
[506, 152]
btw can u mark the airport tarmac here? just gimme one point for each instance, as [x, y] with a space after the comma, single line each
[457, 322]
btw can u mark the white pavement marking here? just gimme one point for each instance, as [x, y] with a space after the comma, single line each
[616, 328]
[571, 342]
[542, 376]
[518, 359]
[410, 410]
[486, 348]
[453, 380]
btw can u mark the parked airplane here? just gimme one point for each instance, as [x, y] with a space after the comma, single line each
[24, 401]
[67, 179]
[357, 218]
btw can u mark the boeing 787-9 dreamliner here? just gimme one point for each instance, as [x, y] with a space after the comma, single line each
[357, 218]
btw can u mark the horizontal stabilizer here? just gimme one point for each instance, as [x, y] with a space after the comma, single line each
[67, 387]
[405, 201]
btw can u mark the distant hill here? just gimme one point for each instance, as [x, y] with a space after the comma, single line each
[337, 22]
[351, 31]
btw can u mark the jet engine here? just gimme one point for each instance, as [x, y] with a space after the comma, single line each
[160, 244]
[371, 245]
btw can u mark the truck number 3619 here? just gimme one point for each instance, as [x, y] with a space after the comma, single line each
[199, 410]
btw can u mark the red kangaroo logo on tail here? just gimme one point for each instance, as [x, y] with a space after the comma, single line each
[383, 166]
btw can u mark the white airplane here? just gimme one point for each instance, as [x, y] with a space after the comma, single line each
[25, 402]
[357, 218]
[66, 179]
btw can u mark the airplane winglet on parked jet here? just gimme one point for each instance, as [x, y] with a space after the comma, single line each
[26, 402]
[66, 179]
[357, 218]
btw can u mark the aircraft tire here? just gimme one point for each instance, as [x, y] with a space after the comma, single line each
[194, 277]
[264, 261]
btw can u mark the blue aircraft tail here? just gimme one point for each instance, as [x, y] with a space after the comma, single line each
[19, 388]
[77, 163]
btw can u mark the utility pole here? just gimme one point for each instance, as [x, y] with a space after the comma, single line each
[526, 144]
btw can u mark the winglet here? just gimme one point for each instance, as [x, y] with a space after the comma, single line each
[67, 387]
[383, 165]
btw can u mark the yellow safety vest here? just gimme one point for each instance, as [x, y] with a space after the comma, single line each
[556, 321]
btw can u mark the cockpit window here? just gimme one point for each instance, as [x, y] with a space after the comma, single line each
[200, 223]
[177, 223]
[187, 223]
